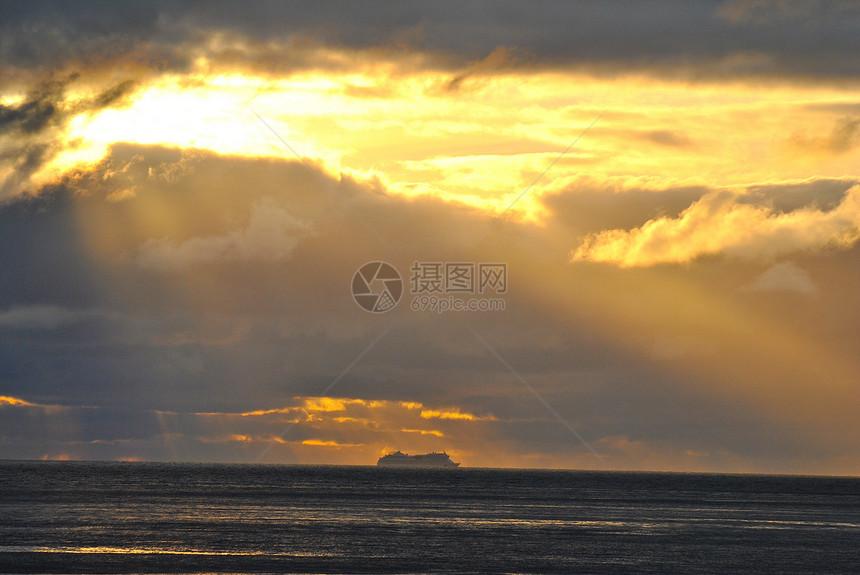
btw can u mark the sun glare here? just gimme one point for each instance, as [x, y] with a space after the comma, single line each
[480, 142]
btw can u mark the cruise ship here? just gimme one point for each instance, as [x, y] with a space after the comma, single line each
[400, 459]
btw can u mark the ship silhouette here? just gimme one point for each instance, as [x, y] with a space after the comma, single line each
[400, 459]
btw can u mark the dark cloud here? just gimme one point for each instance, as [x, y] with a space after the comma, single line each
[41, 107]
[46, 37]
[702, 42]
[46, 106]
[667, 138]
[24, 160]
[111, 96]
[843, 137]
[31, 131]
[587, 207]
[42, 255]
[689, 39]
[500, 58]
[848, 109]
[823, 194]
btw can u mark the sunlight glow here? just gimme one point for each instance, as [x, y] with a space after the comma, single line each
[482, 144]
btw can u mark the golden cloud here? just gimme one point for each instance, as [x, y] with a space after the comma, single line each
[329, 443]
[7, 400]
[719, 224]
[330, 403]
[453, 413]
[261, 412]
[424, 432]
[242, 438]
[333, 422]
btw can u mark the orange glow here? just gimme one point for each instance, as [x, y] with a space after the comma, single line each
[424, 432]
[464, 146]
[59, 457]
[328, 443]
[453, 414]
[6, 400]
[365, 425]
[328, 404]
[261, 412]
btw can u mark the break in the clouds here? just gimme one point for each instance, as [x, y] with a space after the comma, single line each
[186, 192]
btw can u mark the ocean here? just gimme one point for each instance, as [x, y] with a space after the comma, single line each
[85, 517]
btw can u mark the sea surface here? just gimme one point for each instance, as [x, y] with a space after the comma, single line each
[81, 517]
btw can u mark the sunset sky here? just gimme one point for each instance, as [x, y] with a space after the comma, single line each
[187, 190]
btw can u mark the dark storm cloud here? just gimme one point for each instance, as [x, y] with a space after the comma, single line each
[696, 38]
[40, 38]
[690, 39]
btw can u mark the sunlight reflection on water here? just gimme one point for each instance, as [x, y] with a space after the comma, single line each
[87, 517]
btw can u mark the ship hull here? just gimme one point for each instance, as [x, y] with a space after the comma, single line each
[416, 464]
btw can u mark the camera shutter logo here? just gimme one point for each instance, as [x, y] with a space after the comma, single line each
[377, 287]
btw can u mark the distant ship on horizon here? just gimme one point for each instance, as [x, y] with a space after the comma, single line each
[400, 459]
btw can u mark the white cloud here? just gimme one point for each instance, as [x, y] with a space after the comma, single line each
[271, 234]
[784, 276]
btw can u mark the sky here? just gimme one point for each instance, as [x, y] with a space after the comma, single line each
[668, 194]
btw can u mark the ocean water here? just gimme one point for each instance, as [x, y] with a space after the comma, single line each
[76, 517]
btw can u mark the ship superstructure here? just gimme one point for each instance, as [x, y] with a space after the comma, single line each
[400, 459]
